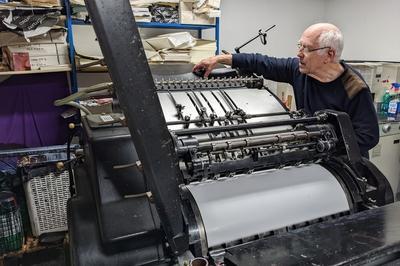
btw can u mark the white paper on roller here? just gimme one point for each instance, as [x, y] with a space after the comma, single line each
[250, 204]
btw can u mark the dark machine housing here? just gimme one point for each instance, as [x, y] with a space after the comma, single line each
[219, 169]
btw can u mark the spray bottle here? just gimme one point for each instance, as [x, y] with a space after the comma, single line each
[394, 102]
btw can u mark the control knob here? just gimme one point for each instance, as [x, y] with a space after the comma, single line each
[386, 128]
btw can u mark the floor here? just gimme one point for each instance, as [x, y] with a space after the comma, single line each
[53, 256]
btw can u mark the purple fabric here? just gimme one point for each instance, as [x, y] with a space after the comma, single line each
[27, 114]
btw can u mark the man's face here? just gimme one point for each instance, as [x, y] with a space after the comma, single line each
[309, 59]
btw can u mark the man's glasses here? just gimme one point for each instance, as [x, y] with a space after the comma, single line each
[309, 50]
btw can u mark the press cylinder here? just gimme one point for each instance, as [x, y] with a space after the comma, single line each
[246, 205]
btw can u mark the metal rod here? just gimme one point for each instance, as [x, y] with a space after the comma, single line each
[257, 141]
[30, 151]
[260, 33]
[194, 131]
[178, 107]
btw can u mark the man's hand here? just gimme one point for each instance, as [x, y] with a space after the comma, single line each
[208, 64]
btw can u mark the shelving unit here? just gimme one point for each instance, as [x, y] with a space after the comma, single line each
[27, 72]
[70, 38]
[58, 68]
[155, 25]
[158, 25]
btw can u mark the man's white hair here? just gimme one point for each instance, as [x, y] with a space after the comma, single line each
[332, 38]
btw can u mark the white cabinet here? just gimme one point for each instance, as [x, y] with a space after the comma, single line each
[386, 155]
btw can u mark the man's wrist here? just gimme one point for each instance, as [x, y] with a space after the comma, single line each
[225, 59]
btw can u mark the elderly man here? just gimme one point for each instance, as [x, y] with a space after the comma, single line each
[319, 79]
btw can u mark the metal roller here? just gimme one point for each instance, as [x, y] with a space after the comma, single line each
[247, 205]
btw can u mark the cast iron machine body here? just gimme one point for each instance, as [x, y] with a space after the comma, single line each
[204, 166]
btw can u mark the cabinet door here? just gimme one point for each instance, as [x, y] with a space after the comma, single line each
[386, 156]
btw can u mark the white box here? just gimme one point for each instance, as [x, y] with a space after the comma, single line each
[36, 56]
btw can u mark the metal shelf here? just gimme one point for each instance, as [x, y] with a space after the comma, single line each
[44, 70]
[158, 25]
[199, 28]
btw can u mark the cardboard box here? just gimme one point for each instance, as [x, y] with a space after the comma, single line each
[35, 56]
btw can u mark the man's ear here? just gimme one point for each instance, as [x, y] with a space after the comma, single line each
[331, 53]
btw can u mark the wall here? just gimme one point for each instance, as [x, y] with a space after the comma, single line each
[241, 20]
[371, 28]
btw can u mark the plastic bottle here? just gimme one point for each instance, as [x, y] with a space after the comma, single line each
[396, 88]
[385, 103]
[392, 108]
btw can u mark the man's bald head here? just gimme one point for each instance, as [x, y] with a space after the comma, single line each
[327, 35]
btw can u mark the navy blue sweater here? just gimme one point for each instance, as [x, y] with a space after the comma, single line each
[348, 93]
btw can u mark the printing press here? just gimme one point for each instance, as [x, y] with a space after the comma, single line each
[218, 172]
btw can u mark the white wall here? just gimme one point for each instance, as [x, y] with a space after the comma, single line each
[371, 28]
[241, 20]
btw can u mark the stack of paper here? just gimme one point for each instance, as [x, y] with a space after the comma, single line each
[202, 49]
[180, 46]
[43, 3]
[146, 3]
[142, 14]
[177, 40]
[176, 55]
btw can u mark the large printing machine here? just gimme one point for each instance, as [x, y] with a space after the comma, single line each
[218, 172]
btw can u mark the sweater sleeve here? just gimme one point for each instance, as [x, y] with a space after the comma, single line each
[276, 69]
[365, 122]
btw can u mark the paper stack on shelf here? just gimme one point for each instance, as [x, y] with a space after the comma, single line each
[175, 56]
[210, 8]
[176, 40]
[13, 38]
[202, 49]
[201, 12]
[170, 47]
[43, 3]
[29, 21]
[141, 14]
[147, 3]
[152, 54]
[48, 50]
[178, 47]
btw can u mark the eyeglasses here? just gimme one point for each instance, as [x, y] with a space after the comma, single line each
[309, 50]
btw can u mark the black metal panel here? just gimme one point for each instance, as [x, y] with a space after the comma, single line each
[86, 246]
[367, 238]
[345, 130]
[120, 43]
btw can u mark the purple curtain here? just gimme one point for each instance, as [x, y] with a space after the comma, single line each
[28, 117]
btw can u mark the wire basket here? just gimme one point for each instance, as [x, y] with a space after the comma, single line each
[11, 232]
[47, 192]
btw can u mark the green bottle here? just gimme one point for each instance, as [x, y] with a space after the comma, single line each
[385, 103]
